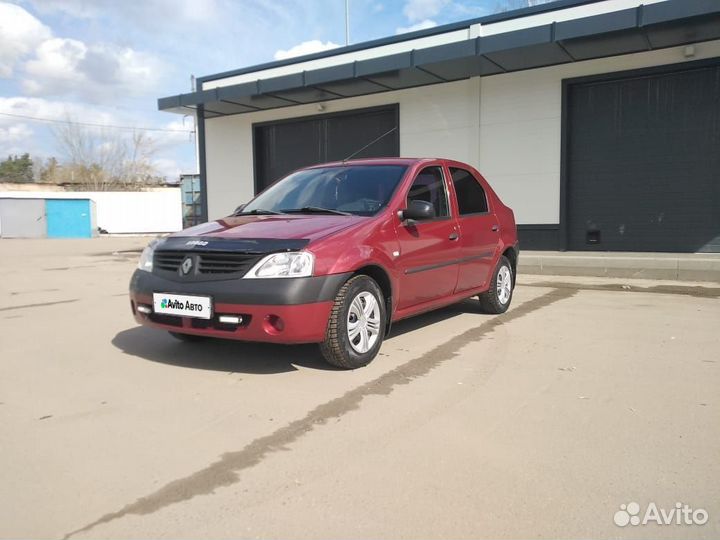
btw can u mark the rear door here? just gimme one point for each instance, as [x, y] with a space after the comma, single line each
[478, 228]
[429, 249]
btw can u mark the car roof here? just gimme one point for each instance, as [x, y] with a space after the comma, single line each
[374, 161]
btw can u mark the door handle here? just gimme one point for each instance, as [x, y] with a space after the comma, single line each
[454, 236]
[495, 228]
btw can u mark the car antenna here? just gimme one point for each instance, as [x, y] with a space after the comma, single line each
[369, 144]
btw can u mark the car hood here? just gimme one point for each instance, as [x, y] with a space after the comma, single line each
[308, 227]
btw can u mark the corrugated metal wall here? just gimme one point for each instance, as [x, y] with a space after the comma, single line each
[644, 162]
[22, 218]
[70, 218]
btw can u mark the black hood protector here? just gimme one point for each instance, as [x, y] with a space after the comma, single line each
[255, 246]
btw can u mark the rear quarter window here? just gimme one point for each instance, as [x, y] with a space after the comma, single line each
[470, 194]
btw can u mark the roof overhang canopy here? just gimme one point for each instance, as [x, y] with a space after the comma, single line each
[644, 28]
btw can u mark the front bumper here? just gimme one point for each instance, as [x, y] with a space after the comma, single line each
[294, 310]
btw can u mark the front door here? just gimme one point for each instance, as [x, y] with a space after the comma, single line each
[429, 249]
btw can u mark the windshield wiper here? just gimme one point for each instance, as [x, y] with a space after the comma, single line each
[257, 212]
[315, 210]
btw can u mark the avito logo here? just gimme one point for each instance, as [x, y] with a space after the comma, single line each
[172, 304]
[680, 514]
[167, 303]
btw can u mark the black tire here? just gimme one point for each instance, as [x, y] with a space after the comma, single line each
[189, 338]
[337, 349]
[490, 300]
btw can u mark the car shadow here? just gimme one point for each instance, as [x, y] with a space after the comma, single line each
[471, 306]
[256, 358]
[218, 354]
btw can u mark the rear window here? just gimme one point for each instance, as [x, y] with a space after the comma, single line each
[470, 194]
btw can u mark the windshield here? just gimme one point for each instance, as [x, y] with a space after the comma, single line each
[361, 190]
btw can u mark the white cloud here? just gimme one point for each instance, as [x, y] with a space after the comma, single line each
[40, 140]
[141, 12]
[95, 72]
[55, 60]
[14, 134]
[53, 110]
[79, 9]
[419, 10]
[167, 168]
[422, 25]
[164, 140]
[306, 47]
[15, 138]
[56, 66]
[20, 33]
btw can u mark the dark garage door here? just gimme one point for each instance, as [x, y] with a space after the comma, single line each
[282, 147]
[643, 164]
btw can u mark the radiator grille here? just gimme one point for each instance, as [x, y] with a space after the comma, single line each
[208, 264]
[225, 263]
[168, 260]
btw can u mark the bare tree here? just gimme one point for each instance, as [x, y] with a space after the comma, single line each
[101, 159]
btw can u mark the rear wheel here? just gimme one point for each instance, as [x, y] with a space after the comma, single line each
[357, 324]
[186, 337]
[498, 297]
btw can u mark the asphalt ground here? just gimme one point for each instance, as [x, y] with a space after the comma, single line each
[590, 393]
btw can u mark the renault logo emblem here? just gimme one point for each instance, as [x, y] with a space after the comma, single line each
[186, 265]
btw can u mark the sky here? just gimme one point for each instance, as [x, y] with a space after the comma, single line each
[107, 61]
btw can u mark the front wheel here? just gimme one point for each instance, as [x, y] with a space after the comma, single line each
[357, 324]
[497, 298]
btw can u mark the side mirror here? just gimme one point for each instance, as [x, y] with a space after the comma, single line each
[418, 211]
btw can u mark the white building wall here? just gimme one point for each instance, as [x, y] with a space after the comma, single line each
[508, 126]
[123, 211]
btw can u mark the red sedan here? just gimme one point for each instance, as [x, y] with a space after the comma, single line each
[333, 254]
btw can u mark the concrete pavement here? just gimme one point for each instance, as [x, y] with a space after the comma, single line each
[668, 266]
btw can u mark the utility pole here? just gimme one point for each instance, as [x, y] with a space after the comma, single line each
[347, 22]
[193, 88]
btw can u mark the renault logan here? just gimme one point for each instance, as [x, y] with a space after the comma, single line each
[334, 254]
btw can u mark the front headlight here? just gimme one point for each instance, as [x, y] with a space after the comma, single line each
[146, 258]
[283, 265]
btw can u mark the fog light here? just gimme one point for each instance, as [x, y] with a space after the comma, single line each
[147, 310]
[230, 319]
[273, 324]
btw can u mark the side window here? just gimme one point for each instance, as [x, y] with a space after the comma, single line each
[470, 194]
[429, 186]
